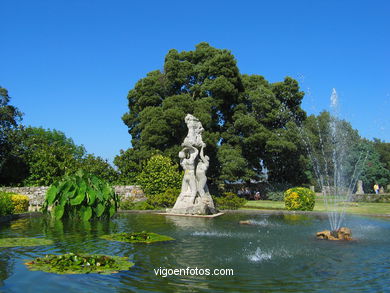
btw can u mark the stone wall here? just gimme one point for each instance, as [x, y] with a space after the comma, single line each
[37, 194]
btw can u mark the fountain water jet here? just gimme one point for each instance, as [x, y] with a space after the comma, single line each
[336, 170]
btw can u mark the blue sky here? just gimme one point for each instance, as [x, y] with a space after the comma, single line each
[68, 64]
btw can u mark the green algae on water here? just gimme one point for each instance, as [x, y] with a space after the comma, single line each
[19, 241]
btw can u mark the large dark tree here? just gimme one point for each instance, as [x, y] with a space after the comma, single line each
[10, 116]
[250, 123]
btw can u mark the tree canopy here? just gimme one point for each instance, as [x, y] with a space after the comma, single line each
[42, 156]
[250, 124]
[10, 117]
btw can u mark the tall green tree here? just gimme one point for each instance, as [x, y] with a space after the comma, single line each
[383, 149]
[46, 154]
[333, 144]
[99, 167]
[10, 118]
[250, 123]
[374, 170]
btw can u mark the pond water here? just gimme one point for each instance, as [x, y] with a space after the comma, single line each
[277, 254]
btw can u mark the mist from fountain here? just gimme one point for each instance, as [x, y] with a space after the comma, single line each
[335, 169]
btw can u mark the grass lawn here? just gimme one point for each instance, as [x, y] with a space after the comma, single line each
[351, 207]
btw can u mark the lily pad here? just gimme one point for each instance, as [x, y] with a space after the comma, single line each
[14, 242]
[137, 237]
[72, 263]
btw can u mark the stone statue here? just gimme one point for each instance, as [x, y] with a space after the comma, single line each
[195, 129]
[194, 197]
[187, 161]
[359, 189]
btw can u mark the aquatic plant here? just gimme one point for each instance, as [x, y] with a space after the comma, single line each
[82, 195]
[73, 263]
[137, 237]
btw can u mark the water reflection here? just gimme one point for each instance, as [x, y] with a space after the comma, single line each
[276, 253]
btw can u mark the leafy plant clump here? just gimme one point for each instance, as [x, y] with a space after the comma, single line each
[14, 242]
[72, 263]
[20, 202]
[299, 199]
[166, 199]
[137, 237]
[229, 201]
[158, 175]
[82, 195]
[276, 195]
[6, 205]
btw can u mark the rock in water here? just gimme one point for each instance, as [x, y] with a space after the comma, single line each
[343, 233]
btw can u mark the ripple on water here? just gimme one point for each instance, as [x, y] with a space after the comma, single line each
[262, 223]
[211, 234]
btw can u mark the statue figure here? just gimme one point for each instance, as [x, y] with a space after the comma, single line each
[187, 161]
[195, 129]
[194, 197]
[201, 178]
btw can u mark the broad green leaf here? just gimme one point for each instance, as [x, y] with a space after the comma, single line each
[99, 195]
[112, 211]
[72, 192]
[99, 210]
[82, 186]
[87, 213]
[51, 194]
[107, 192]
[78, 199]
[63, 200]
[91, 195]
[58, 212]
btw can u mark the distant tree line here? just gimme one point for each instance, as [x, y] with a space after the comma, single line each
[253, 129]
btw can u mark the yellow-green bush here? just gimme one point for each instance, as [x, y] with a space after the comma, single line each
[299, 199]
[6, 205]
[20, 203]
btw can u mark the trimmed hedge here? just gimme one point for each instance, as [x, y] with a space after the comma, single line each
[299, 199]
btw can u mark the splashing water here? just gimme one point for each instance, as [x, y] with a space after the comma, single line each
[336, 170]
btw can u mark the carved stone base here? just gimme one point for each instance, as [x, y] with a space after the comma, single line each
[202, 206]
[343, 233]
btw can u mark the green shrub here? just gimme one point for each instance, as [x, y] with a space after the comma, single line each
[130, 204]
[126, 203]
[299, 199]
[276, 195]
[229, 201]
[81, 195]
[158, 175]
[20, 202]
[166, 199]
[6, 204]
